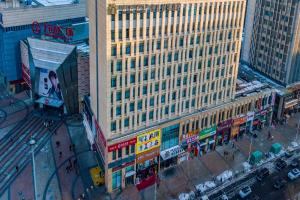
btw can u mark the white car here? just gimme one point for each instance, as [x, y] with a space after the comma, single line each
[294, 174]
[245, 191]
[224, 197]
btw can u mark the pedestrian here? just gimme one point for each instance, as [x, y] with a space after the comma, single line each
[232, 156]
[70, 162]
[68, 169]
[60, 154]
[232, 144]
[70, 147]
[57, 144]
[17, 168]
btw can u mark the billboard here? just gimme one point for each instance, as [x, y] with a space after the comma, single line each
[148, 141]
[25, 63]
[49, 85]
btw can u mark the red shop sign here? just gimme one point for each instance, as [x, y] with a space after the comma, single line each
[120, 145]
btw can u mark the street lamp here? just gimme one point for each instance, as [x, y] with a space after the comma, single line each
[250, 147]
[32, 143]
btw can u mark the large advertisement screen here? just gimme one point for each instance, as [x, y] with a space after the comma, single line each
[49, 85]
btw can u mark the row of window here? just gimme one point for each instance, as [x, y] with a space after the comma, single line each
[144, 116]
[143, 47]
[126, 151]
[164, 85]
[186, 10]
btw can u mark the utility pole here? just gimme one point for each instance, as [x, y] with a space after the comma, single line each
[32, 143]
[250, 147]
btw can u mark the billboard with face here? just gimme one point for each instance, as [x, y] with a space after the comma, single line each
[49, 85]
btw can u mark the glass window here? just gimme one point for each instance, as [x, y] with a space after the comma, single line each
[152, 101]
[156, 87]
[144, 117]
[158, 45]
[113, 126]
[132, 107]
[126, 124]
[119, 153]
[146, 61]
[114, 51]
[173, 108]
[151, 115]
[127, 94]
[120, 15]
[119, 65]
[119, 96]
[181, 42]
[144, 89]
[141, 47]
[114, 155]
[153, 60]
[140, 104]
[118, 111]
[145, 76]
[169, 57]
[113, 82]
[132, 78]
[163, 98]
[127, 49]
[116, 179]
[170, 136]
[132, 64]
[127, 153]
[132, 148]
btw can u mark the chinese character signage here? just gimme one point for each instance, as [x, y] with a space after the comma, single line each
[207, 132]
[148, 141]
[52, 30]
[121, 145]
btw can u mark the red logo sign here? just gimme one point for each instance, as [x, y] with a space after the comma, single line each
[121, 145]
[51, 30]
[36, 28]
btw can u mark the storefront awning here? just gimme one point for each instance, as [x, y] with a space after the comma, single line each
[50, 102]
[291, 103]
[172, 152]
[129, 174]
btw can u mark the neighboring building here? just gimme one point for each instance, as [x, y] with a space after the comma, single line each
[52, 75]
[163, 79]
[22, 19]
[272, 40]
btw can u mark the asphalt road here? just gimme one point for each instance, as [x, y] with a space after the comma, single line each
[265, 190]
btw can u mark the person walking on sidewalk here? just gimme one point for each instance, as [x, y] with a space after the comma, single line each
[57, 144]
[60, 154]
[17, 168]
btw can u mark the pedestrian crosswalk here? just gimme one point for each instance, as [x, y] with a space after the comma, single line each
[15, 150]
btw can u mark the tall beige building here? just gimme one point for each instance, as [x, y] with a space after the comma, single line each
[163, 80]
[272, 39]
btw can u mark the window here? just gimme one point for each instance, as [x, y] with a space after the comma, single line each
[132, 64]
[145, 76]
[114, 51]
[167, 110]
[140, 104]
[116, 179]
[153, 74]
[163, 98]
[176, 56]
[156, 87]
[151, 115]
[178, 81]
[132, 148]
[113, 126]
[163, 87]
[146, 61]
[119, 65]
[179, 69]
[132, 78]
[166, 43]
[114, 155]
[127, 151]
[186, 67]
[126, 124]
[131, 107]
[113, 82]
[170, 136]
[143, 117]
[119, 153]
[158, 45]
[118, 111]
[152, 101]
[144, 89]
[173, 108]
[120, 15]
[153, 60]
[141, 47]
[168, 71]
[127, 94]
[119, 96]
[127, 49]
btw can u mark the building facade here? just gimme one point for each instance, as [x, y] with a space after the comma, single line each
[19, 21]
[272, 39]
[163, 84]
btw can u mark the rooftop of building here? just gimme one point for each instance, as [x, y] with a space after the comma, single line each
[251, 80]
[7, 4]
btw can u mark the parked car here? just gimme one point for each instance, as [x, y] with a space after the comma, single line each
[262, 174]
[294, 174]
[295, 162]
[280, 164]
[279, 183]
[245, 191]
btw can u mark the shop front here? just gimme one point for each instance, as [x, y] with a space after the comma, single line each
[189, 143]
[238, 126]
[223, 132]
[147, 158]
[262, 118]
[169, 156]
[207, 139]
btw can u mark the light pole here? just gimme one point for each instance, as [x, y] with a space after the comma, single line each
[250, 147]
[32, 143]
[297, 133]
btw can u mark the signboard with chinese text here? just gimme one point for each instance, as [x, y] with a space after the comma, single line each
[148, 141]
[120, 145]
[207, 132]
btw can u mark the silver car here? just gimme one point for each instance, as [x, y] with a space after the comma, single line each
[294, 174]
